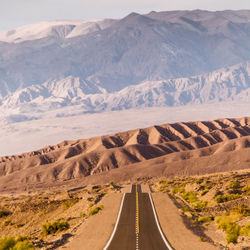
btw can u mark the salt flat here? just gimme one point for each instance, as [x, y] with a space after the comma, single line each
[31, 135]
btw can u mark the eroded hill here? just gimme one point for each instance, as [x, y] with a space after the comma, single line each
[164, 150]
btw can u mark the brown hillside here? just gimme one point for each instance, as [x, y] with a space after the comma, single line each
[170, 149]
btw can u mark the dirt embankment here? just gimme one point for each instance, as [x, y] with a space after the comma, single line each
[174, 227]
[84, 216]
[95, 233]
[205, 212]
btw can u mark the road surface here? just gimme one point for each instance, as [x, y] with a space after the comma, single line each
[136, 227]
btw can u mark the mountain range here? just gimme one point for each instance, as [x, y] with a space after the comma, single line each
[169, 58]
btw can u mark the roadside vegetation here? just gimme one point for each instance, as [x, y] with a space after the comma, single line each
[4, 213]
[47, 217]
[54, 226]
[213, 202]
[15, 243]
[95, 210]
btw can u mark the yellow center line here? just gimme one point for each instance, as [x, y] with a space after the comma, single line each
[137, 210]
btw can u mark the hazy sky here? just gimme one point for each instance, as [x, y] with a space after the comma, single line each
[14, 13]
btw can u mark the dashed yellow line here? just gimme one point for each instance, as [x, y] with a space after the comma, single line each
[137, 211]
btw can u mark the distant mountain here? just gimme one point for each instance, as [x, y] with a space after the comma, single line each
[227, 84]
[159, 59]
[59, 30]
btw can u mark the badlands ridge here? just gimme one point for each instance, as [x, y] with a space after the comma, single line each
[168, 150]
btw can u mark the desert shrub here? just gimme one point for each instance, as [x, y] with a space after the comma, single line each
[205, 218]
[99, 197]
[232, 232]
[21, 238]
[199, 181]
[164, 186]
[19, 225]
[220, 198]
[246, 189]
[200, 204]
[204, 192]
[186, 209]
[242, 210]
[231, 229]
[95, 210]
[203, 239]
[234, 185]
[165, 190]
[7, 223]
[224, 198]
[178, 190]
[18, 243]
[245, 231]
[190, 196]
[69, 203]
[23, 245]
[4, 213]
[233, 196]
[90, 198]
[7, 242]
[96, 187]
[82, 214]
[114, 186]
[234, 215]
[54, 227]
[182, 185]
[169, 182]
[162, 182]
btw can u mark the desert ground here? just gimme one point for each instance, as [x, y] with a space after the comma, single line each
[212, 209]
[51, 219]
[195, 212]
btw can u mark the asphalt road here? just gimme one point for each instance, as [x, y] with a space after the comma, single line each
[137, 228]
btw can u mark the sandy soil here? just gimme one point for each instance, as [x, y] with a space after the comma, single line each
[95, 232]
[173, 226]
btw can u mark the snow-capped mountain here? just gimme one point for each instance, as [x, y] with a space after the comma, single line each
[60, 30]
[159, 59]
[227, 84]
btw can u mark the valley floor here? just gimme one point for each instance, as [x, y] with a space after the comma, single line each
[49, 129]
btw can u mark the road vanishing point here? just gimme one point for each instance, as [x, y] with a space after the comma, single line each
[137, 226]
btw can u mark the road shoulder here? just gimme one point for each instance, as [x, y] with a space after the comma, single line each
[95, 232]
[173, 226]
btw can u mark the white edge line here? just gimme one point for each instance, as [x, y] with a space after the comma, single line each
[158, 225]
[116, 224]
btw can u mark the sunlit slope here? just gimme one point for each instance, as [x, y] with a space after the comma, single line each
[164, 144]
